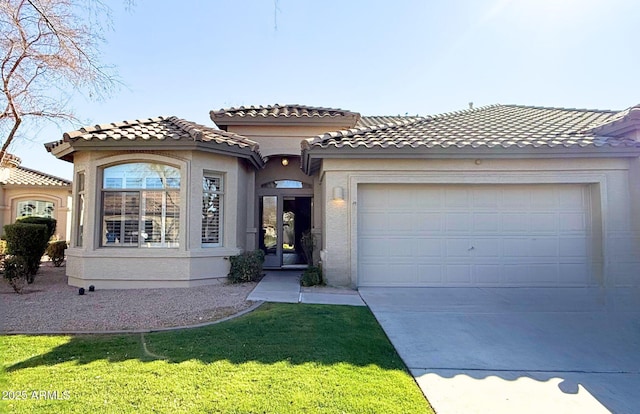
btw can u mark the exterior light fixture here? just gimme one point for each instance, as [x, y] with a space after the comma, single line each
[338, 193]
[285, 161]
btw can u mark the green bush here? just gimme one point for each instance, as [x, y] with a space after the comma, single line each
[312, 276]
[308, 244]
[246, 267]
[3, 248]
[55, 251]
[16, 272]
[28, 241]
[47, 221]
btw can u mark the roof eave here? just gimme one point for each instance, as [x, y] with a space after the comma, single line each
[63, 150]
[312, 155]
[177, 145]
[224, 120]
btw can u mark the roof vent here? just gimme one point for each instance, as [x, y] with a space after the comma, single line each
[470, 105]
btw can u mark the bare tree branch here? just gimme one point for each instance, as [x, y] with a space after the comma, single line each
[48, 51]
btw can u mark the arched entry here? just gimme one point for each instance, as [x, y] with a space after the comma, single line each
[285, 214]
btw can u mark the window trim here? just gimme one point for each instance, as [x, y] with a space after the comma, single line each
[221, 193]
[80, 202]
[140, 244]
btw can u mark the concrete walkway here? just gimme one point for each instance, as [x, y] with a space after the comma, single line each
[284, 286]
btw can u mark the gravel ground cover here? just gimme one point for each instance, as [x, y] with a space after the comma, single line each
[50, 305]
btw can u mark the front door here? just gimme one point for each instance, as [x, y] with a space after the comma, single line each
[284, 219]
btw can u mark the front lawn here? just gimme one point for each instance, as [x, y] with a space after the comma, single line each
[280, 358]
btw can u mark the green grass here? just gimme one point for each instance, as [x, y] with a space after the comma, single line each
[280, 358]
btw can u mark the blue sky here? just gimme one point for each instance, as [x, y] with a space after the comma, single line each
[374, 57]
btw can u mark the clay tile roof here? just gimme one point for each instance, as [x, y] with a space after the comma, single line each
[371, 121]
[168, 129]
[27, 176]
[618, 121]
[489, 127]
[279, 111]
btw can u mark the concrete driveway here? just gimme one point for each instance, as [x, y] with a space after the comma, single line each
[508, 350]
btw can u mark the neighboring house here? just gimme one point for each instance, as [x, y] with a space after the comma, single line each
[501, 195]
[25, 192]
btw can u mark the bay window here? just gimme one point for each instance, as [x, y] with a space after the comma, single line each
[141, 205]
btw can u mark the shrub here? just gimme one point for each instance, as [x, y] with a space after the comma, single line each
[47, 221]
[28, 241]
[16, 272]
[308, 244]
[312, 276]
[246, 267]
[55, 251]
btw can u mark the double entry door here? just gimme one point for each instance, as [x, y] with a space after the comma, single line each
[283, 221]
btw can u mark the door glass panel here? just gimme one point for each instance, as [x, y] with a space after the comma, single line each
[296, 219]
[270, 225]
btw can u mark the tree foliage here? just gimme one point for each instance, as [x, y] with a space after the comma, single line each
[48, 51]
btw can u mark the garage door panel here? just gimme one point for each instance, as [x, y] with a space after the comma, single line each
[459, 248]
[486, 274]
[544, 222]
[456, 197]
[373, 223]
[573, 222]
[371, 248]
[400, 247]
[430, 274]
[458, 222]
[485, 198]
[474, 235]
[543, 247]
[542, 198]
[427, 248]
[486, 222]
[514, 223]
[486, 248]
[429, 222]
[517, 198]
[458, 274]
[515, 247]
[572, 198]
[429, 199]
[572, 247]
[401, 222]
[574, 274]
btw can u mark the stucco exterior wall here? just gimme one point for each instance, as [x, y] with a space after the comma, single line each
[614, 184]
[190, 264]
[281, 139]
[10, 196]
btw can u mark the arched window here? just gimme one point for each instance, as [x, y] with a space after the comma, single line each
[141, 205]
[286, 184]
[37, 208]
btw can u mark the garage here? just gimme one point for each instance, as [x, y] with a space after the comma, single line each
[494, 235]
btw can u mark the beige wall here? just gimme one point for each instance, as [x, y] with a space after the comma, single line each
[614, 181]
[283, 139]
[190, 264]
[11, 195]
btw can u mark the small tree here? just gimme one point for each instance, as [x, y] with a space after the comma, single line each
[29, 242]
[51, 223]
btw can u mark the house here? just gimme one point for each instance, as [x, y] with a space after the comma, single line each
[502, 195]
[26, 192]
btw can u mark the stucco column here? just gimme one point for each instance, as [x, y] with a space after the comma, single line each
[336, 255]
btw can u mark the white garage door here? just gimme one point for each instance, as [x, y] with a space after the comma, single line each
[474, 235]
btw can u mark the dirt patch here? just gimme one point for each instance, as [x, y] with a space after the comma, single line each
[50, 305]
